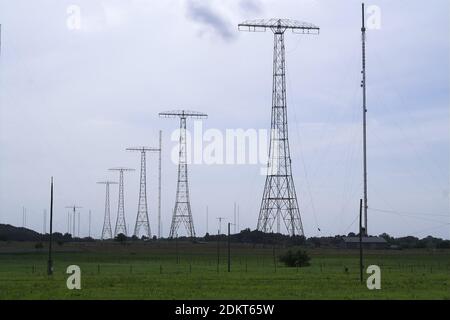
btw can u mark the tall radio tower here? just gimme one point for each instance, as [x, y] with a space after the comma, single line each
[182, 213]
[279, 199]
[121, 226]
[142, 214]
[106, 231]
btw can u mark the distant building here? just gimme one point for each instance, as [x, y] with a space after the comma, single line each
[367, 242]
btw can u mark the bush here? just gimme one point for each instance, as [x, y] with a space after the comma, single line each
[298, 258]
[39, 245]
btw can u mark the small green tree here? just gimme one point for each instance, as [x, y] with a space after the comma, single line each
[121, 238]
[297, 258]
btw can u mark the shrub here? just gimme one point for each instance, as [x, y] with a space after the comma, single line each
[39, 245]
[297, 258]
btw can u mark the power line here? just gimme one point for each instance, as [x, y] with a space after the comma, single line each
[412, 217]
[411, 213]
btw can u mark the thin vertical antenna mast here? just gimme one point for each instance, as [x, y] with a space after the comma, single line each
[89, 234]
[23, 217]
[360, 242]
[159, 184]
[207, 222]
[279, 200]
[238, 225]
[220, 224]
[234, 218]
[363, 84]
[44, 230]
[50, 261]
[72, 220]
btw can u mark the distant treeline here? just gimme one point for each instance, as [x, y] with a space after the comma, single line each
[248, 236]
[11, 233]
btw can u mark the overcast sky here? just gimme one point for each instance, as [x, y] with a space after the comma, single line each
[72, 100]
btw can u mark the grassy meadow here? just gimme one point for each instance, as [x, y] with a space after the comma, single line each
[183, 270]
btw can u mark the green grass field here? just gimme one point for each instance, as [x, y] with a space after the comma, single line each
[150, 271]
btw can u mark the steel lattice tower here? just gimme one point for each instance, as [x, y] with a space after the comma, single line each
[107, 231]
[121, 226]
[142, 214]
[182, 213]
[279, 201]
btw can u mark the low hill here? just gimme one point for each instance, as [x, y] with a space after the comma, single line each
[11, 233]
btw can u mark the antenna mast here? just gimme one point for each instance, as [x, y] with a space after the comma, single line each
[182, 212]
[107, 231]
[121, 226]
[159, 184]
[73, 226]
[142, 214]
[279, 200]
[50, 261]
[363, 85]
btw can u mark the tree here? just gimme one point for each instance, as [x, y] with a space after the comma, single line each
[121, 238]
[298, 258]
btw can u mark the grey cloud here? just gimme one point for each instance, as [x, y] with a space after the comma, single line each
[251, 6]
[205, 15]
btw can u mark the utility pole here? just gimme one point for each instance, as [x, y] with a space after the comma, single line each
[89, 223]
[363, 85]
[182, 213]
[50, 261]
[229, 249]
[207, 222]
[218, 249]
[176, 248]
[279, 200]
[142, 219]
[74, 208]
[121, 226]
